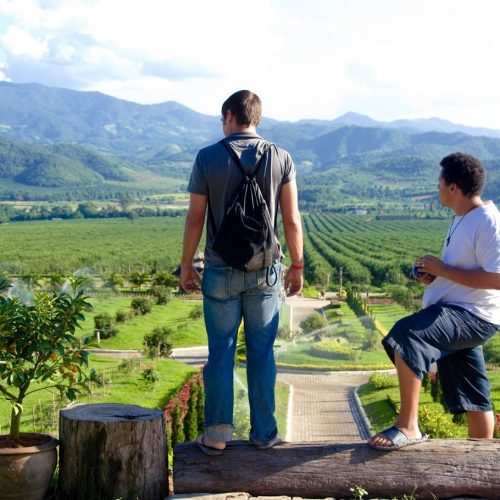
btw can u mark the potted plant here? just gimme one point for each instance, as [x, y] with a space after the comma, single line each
[38, 352]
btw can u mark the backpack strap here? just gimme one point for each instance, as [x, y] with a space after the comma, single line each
[237, 160]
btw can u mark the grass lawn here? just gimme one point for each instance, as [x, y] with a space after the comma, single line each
[382, 414]
[297, 355]
[344, 323]
[388, 314]
[119, 387]
[285, 315]
[241, 410]
[187, 332]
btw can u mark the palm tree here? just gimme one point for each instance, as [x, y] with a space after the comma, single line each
[165, 279]
[114, 281]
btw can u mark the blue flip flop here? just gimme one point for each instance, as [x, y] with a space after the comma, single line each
[208, 450]
[398, 439]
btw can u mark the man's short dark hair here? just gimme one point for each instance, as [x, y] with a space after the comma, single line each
[465, 171]
[245, 106]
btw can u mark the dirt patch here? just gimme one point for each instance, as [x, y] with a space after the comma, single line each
[25, 440]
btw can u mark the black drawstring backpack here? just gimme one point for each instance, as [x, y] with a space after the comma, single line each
[246, 238]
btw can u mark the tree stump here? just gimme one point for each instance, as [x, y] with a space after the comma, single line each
[438, 468]
[111, 451]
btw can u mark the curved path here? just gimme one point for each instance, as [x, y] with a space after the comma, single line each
[322, 406]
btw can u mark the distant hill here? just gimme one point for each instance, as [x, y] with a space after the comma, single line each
[56, 137]
[57, 165]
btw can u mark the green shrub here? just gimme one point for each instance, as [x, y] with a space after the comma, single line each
[435, 423]
[313, 322]
[121, 316]
[142, 305]
[191, 418]
[150, 376]
[383, 381]
[162, 295]
[285, 333]
[332, 349]
[196, 312]
[158, 343]
[104, 324]
[492, 350]
[372, 342]
[177, 425]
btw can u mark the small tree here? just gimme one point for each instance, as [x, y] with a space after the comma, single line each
[164, 279]
[113, 281]
[158, 343]
[104, 324]
[137, 279]
[39, 350]
[141, 306]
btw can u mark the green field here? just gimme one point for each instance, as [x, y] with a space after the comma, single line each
[186, 331]
[94, 245]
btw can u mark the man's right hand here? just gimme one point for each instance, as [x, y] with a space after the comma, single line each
[425, 278]
[294, 281]
[190, 279]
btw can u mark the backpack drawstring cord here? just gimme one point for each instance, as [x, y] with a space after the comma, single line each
[269, 271]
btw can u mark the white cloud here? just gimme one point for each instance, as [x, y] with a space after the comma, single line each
[18, 42]
[385, 58]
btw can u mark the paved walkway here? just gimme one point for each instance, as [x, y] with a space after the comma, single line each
[322, 407]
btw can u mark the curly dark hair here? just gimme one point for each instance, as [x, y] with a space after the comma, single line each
[245, 106]
[465, 171]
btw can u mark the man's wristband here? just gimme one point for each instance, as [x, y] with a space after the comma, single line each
[298, 268]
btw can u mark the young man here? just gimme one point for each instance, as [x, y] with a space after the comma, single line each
[461, 311]
[229, 294]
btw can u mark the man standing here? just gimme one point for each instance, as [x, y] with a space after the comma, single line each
[461, 311]
[229, 294]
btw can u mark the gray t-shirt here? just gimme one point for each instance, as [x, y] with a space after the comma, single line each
[216, 175]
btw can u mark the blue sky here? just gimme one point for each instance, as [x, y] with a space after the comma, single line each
[388, 59]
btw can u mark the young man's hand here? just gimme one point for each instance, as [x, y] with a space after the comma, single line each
[190, 279]
[294, 281]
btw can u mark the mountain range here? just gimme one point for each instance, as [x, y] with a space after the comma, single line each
[53, 137]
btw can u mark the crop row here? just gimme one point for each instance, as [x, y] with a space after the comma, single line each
[368, 250]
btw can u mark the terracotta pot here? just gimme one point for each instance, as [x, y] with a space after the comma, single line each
[25, 472]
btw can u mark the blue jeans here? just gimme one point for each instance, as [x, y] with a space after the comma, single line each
[230, 295]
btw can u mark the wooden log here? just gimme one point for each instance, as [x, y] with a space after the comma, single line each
[111, 451]
[441, 468]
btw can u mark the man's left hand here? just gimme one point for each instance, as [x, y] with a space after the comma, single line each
[190, 279]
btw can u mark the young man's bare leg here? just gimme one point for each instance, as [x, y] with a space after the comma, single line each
[481, 424]
[409, 390]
